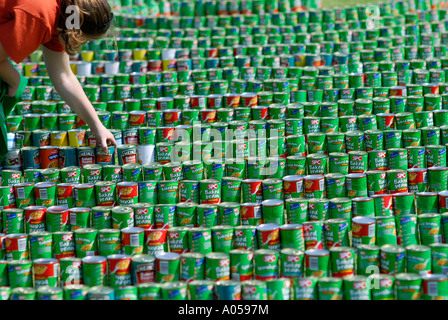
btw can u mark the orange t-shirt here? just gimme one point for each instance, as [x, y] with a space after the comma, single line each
[26, 24]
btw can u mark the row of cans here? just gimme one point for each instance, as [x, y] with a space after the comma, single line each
[332, 269]
[153, 230]
[404, 286]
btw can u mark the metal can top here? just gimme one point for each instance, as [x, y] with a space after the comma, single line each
[217, 255]
[194, 255]
[292, 226]
[133, 230]
[317, 252]
[143, 258]
[272, 203]
[117, 256]
[168, 256]
[363, 220]
[391, 248]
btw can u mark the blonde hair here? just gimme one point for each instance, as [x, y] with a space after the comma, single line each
[95, 17]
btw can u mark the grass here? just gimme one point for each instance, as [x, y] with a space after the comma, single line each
[344, 3]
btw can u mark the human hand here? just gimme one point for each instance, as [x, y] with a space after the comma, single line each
[104, 137]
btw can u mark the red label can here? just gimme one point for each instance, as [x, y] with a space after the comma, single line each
[127, 191]
[137, 118]
[208, 115]
[232, 100]
[49, 157]
[155, 237]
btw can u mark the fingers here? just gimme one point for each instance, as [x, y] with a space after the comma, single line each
[104, 145]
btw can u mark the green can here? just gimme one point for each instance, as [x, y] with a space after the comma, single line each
[429, 225]
[393, 259]
[241, 264]
[41, 245]
[20, 273]
[86, 242]
[357, 288]
[408, 286]
[368, 259]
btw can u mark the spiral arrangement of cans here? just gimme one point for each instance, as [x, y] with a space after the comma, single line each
[266, 150]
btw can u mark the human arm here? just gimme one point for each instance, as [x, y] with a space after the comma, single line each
[8, 73]
[69, 88]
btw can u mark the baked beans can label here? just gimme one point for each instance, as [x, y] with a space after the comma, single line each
[368, 256]
[164, 216]
[86, 242]
[291, 263]
[178, 239]
[266, 264]
[429, 225]
[35, 219]
[63, 244]
[168, 191]
[408, 286]
[336, 233]
[109, 242]
[127, 193]
[46, 272]
[314, 186]
[418, 259]
[20, 273]
[397, 181]
[317, 263]
[313, 235]
[245, 237]
[392, 259]
[143, 269]
[342, 262]
[94, 271]
[13, 221]
[41, 245]
[305, 288]
[71, 271]
[210, 191]
[65, 195]
[357, 288]
[105, 193]
[101, 217]
[144, 215]
[71, 175]
[119, 270]
[269, 236]
[363, 231]
[192, 267]
[241, 264]
[167, 267]
[386, 231]
[17, 246]
[132, 240]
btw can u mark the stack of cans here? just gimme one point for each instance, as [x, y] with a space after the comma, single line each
[265, 150]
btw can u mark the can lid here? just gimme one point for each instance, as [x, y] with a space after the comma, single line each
[133, 230]
[217, 255]
[363, 220]
[317, 252]
[407, 276]
[45, 261]
[292, 252]
[118, 256]
[391, 248]
[272, 203]
[292, 226]
[167, 256]
[143, 258]
[293, 178]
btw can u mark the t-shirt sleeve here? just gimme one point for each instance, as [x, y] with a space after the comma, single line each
[54, 44]
[16, 36]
